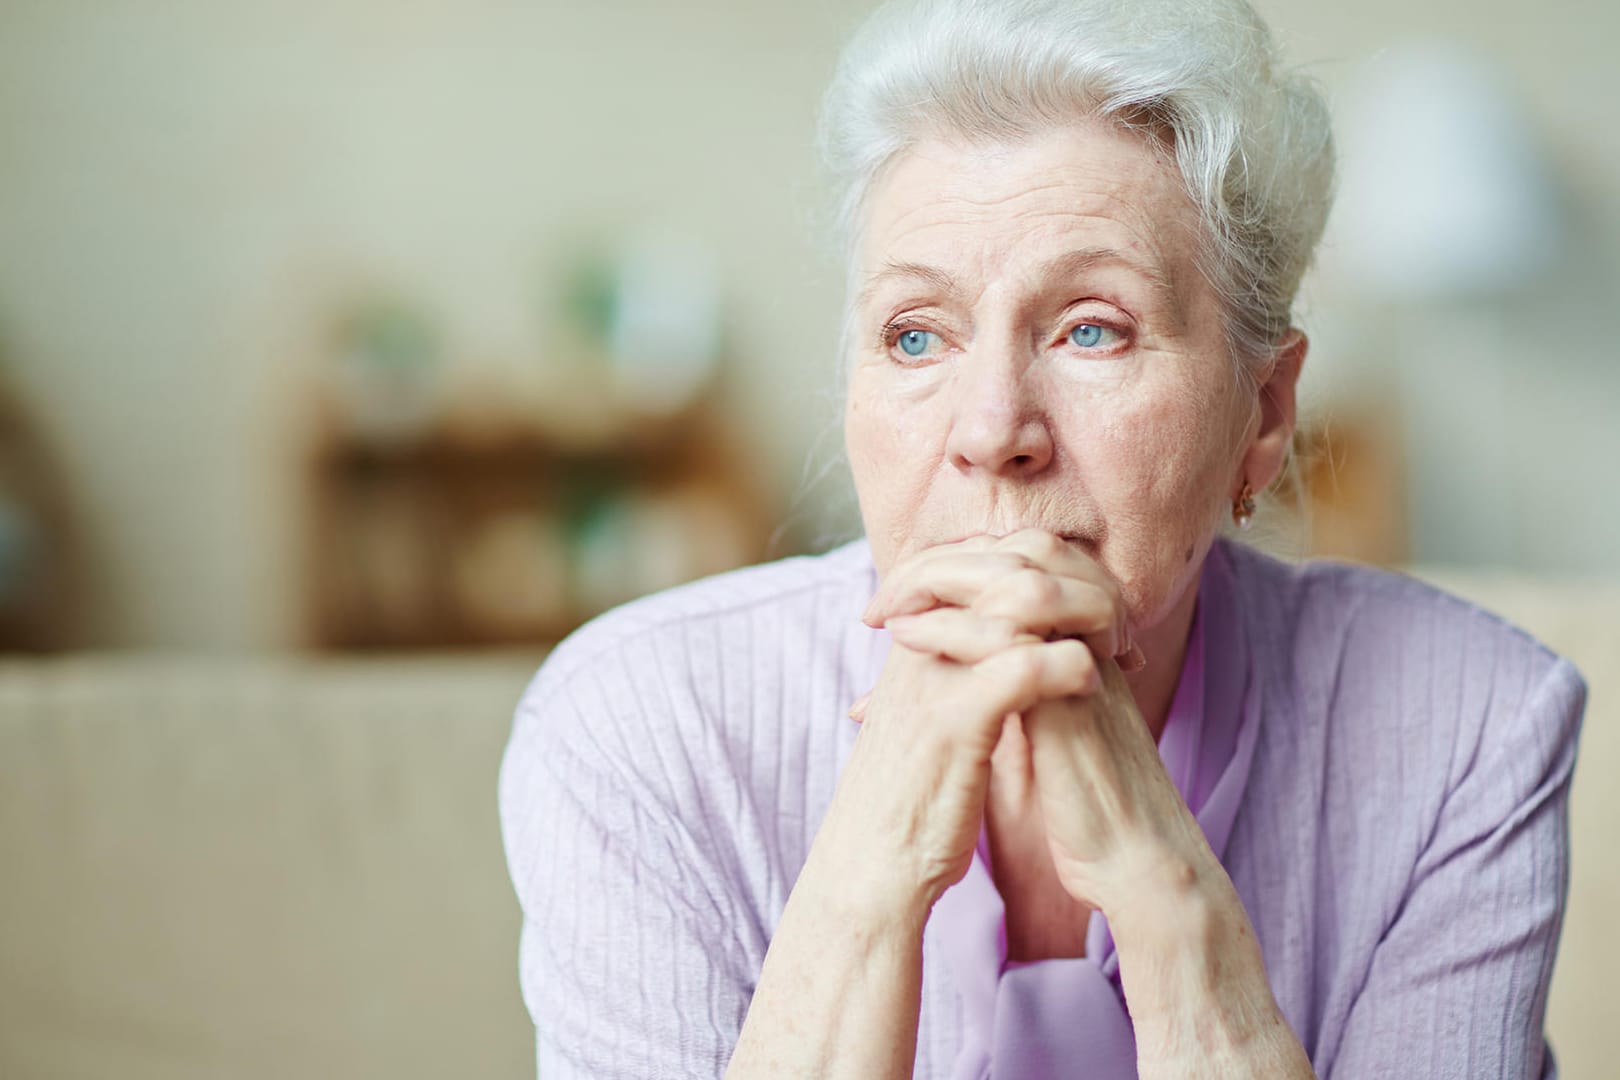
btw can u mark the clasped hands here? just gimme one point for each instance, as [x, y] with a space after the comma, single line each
[1008, 660]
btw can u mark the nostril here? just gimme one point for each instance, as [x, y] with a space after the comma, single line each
[1000, 442]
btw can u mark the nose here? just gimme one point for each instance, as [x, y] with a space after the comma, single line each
[1000, 424]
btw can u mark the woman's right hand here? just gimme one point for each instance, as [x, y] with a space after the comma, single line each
[840, 990]
[905, 819]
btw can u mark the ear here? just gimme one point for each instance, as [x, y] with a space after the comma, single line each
[1268, 446]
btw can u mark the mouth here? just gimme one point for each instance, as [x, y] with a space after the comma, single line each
[1077, 539]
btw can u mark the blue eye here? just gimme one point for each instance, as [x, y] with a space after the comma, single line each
[915, 342]
[1090, 335]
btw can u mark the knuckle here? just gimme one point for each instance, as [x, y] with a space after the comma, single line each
[1075, 664]
[1104, 604]
[1102, 608]
[905, 599]
[1023, 666]
[1018, 667]
[1038, 544]
[1033, 587]
[1001, 631]
[1009, 562]
[1117, 610]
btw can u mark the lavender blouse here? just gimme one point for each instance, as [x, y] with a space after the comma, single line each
[1383, 769]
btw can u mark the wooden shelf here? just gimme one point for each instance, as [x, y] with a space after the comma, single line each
[504, 530]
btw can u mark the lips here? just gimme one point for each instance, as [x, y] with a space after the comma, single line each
[1079, 539]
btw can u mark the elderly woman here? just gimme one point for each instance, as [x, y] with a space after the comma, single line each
[1044, 778]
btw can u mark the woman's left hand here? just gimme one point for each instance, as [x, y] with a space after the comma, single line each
[1115, 824]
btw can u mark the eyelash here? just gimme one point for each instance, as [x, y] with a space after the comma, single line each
[1110, 325]
[889, 335]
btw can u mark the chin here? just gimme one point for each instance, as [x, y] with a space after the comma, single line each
[1152, 600]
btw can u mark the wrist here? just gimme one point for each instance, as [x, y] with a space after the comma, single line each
[839, 993]
[859, 889]
[1174, 940]
[1191, 968]
[889, 848]
[1170, 900]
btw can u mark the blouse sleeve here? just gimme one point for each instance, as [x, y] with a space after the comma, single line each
[630, 960]
[1458, 985]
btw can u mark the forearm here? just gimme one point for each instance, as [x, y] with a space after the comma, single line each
[1194, 978]
[841, 987]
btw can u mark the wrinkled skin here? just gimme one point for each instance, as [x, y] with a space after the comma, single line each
[1036, 359]
[1044, 430]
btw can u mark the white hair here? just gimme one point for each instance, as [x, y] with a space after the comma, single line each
[1198, 78]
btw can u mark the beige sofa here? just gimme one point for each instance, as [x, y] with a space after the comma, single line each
[291, 868]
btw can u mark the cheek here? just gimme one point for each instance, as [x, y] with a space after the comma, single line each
[860, 434]
[1156, 469]
[1157, 454]
[874, 437]
[888, 461]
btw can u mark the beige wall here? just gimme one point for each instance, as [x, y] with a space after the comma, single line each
[186, 185]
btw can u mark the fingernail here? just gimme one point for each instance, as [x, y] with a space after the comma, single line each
[857, 711]
[1134, 659]
[871, 609]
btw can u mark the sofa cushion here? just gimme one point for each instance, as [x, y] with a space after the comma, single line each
[257, 868]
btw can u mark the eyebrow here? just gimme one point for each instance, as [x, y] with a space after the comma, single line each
[1077, 262]
[892, 271]
[1069, 264]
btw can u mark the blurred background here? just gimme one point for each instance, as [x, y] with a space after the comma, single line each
[352, 353]
[320, 318]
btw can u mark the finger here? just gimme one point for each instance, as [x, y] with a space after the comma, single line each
[1051, 552]
[961, 573]
[947, 578]
[1021, 676]
[1034, 600]
[901, 573]
[857, 711]
[1043, 547]
[1049, 605]
[956, 633]
[964, 572]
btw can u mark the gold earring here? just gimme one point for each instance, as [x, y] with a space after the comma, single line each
[1243, 508]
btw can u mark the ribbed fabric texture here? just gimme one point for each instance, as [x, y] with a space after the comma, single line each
[1401, 847]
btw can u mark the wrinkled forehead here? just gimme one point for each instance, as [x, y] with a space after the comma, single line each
[969, 216]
